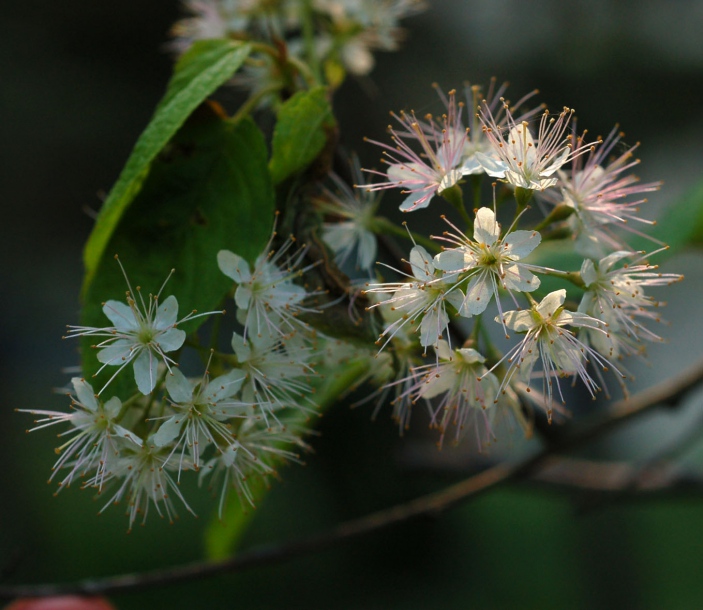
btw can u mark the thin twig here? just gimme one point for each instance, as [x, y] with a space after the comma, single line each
[668, 392]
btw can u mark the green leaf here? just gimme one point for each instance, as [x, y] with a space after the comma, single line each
[201, 70]
[300, 133]
[209, 190]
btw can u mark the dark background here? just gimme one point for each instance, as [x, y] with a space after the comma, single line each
[79, 82]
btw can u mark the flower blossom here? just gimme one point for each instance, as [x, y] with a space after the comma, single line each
[95, 435]
[348, 231]
[476, 141]
[597, 190]
[489, 262]
[557, 348]
[143, 476]
[616, 296]
[519, 159]
[269, 302]
[469, 391]
[422, 302]
[200, 414]
[437, 168]
[142, 333]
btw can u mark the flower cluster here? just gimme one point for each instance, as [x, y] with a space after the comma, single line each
[478, 324]
[229, 427]
[471, 268]
[341, 35]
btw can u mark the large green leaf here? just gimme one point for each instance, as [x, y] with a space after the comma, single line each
[301, 132]
[209, 189]
[200, 71]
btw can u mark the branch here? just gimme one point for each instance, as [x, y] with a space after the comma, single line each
[668, 392]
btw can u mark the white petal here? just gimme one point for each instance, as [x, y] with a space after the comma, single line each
[417, 200]
[438, 383]
[145, 371]
[233, 266]
[443, 350]
[179, 388]
[171, 340]
[112, 407]
[118, 353]
[520, 279]
[127, 434]
[589, 274]
[521, 243]
[406, 172]
[166, 314]
[478, 294]
[471, 166]
[225, 386]
[366, 256]
[492, 166]
[449, 180]
[550, 303]
[486, 229]
[121, 316]
[85, 394]
[242, 296]
[433, 324]
[452, 260]
[470, 355]
[455, 297]
[168, 431]
[519, 321]
[241, 348]
[421, 263]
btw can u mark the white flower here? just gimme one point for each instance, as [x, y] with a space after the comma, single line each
[268, 300]
[422, 302]
[489, 261]
[616, 296]
[259, 449]
[476, 141]
[437, 168]
[201, 413]
[95, 435]
[142, 333]
[350, 215]
[518, 158]
[143, 478]
[469, 391]
[275, 376]
[597, 190]
[546, 340]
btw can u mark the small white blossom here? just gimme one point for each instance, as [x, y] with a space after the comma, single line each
[597, 190]
[143, 477]
[468, 391]
[269, 302]
[95, 435]
[275, 376]
[559, 351]
[347, 229]
[616, 296]
[423, 175]
[489, 261]
[143, 333]
[519, 159]
[201, 412]
[421, 302]
[258, 450]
